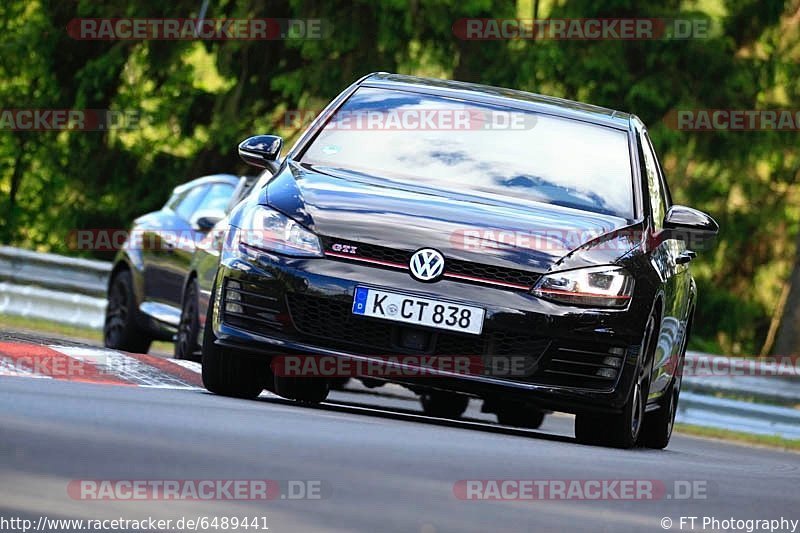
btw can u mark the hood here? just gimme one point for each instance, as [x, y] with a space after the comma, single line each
[505, 232]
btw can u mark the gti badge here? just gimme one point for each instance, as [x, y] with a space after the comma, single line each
[346, 248]
[426, 265]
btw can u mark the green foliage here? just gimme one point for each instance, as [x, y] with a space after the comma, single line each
[197, 99]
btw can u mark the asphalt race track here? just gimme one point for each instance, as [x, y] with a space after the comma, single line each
[364, 462]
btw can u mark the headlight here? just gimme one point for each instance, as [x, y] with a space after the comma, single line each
[608, 286]
[266, 229]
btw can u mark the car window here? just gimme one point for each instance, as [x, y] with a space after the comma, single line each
[655, 191]
[242, 189]
[482, 149]
[175, 199]
[188, 204]
[217, 197]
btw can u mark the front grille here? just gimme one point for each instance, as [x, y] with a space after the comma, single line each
[333, 320]
[492, 273]
[456, 267]
[378, 253]
[330, 323]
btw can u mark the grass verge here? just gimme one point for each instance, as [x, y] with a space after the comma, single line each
[770, 441]
[65, 331]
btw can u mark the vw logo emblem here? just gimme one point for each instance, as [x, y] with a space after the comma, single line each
[426, 265]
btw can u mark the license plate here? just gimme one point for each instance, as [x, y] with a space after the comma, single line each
[420, 311]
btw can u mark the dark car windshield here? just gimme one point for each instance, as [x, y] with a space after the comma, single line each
[480, 149]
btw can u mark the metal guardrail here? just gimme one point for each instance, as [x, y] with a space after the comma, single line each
[741, 378]
[35, 302]
[51, 271]
[72, 291]
[715, 389]
[735, 415]
[53, 287]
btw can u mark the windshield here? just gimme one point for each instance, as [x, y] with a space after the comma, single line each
[478, 149]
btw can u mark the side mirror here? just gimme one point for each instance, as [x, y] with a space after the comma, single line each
[205, 219]
[261, 151]
[689, 225]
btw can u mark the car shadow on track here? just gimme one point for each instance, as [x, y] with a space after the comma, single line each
[408, 415]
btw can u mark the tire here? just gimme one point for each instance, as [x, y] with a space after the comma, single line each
[443, 404]
[622, 430]
[658, 424]
[521, 416]
[120, 331]
[229, 373]
[186, 346]
[302, 389]
[338, 383]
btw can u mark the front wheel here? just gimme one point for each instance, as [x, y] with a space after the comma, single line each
[521, 416]
[229, 373]
[619, 430]
[622, 430]
[443, 404]
[303, 389]
[658, 425]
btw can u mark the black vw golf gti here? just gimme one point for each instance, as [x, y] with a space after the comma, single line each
[434, 219]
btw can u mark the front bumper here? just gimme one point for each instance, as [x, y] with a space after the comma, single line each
[302, 306]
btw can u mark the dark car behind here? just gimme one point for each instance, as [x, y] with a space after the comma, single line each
[149, 274]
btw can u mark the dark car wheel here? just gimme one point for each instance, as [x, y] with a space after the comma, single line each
[120, 330]
[443, 404]
[622, 430]
[339, 383]
[658, 424]
[521, 416]
[229, 373]
[186, 346]
[302, 389]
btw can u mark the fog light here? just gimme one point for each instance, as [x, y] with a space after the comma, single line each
[233, 307]
[616, 362]
[233, 296]
[606, 373]
[617, 351]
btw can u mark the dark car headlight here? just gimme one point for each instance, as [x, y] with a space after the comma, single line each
[266, 229]
[607, 286]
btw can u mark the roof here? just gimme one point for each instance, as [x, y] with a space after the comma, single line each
[214, 178]
[501, 96]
